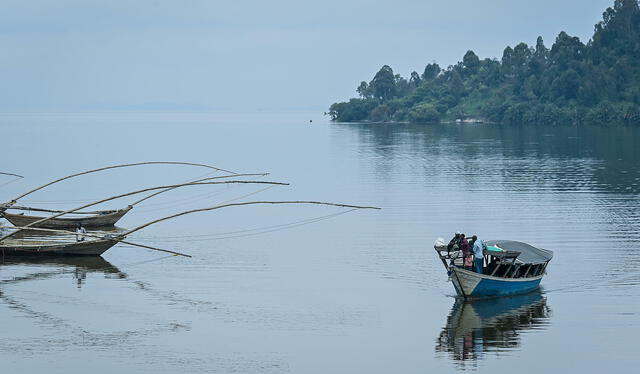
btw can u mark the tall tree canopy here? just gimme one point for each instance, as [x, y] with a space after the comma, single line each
[570, 82]
[383, 84]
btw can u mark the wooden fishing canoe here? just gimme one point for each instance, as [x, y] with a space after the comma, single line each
[103, 219]
[40, 248]
[100, 218]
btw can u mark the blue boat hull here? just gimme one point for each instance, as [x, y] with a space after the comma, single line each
[469, 284]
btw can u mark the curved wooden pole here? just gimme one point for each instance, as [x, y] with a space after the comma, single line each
[140, 227]
[11, 174]
[155, 248]
[15, 199]
[199, 180]
[16, 207]
[134, 193]
[118, 238]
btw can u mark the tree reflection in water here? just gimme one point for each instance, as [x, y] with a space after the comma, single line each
[475, 328]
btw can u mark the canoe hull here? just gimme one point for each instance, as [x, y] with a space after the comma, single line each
[469, 284]
[83, 248]
[98, 220]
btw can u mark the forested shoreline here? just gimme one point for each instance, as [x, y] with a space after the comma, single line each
[569, 83]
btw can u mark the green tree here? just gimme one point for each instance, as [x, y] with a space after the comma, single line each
[507, 62]
[424, 112]
[520, 59]
[456, 85]
[383, 84]
[538, 61]
[363, 90]
[402, 86]
[414, 80]
[565, 50]
[541, 51]
[431, 71]
[471, 62]
[354, 110]
[567, 84]
[490, 72]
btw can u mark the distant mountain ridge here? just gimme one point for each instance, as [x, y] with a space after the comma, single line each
[570, 83]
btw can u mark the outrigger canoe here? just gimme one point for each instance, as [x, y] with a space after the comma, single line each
[510, 267]
[103, 218]
[52, 248]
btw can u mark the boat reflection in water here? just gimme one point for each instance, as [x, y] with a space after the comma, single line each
[477, 328]
[52, 267]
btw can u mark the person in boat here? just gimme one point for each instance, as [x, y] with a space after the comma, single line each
[472, 242]
[79, 231]
[478, 255]
[454, 243]
[466, 252]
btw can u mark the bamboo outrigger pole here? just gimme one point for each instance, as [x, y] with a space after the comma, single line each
[15, 199]
[200, 180]
[11, 174]
[15, 207]
[140, 227]
[134, 193]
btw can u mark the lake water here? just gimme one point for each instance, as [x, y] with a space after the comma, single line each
[312, 289]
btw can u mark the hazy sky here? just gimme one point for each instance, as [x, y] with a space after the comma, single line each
[66, 55]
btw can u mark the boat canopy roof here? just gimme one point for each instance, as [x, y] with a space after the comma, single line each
[528, 253]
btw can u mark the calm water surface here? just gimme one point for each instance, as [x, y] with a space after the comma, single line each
[308, 289]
